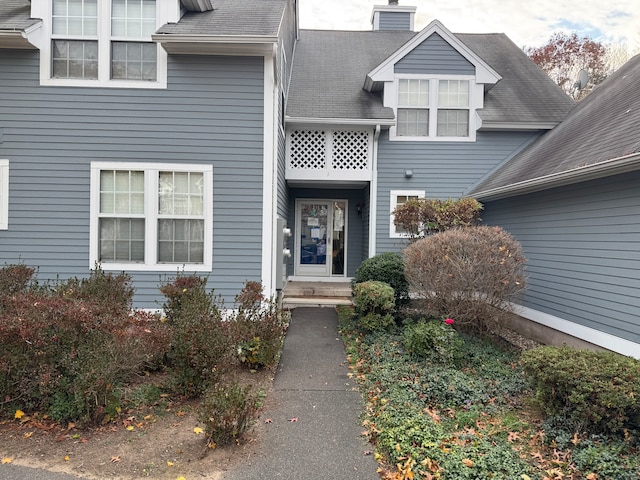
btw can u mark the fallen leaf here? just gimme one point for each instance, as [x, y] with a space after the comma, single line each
[268, 420]
[198, 430]
[19, 414]
[293, 419]
[467, 462]
[169, 464]
[67, 458]
[6, 460]
[592, 476]
[368, 452]
[27, 435]
[130, 427]
[115, 459]
[181, 478]
[513, 436]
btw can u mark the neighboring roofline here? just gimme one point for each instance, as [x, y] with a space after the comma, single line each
[339, 121]
[624, 164]
[215, 44]
[385, 71]
[489, 125]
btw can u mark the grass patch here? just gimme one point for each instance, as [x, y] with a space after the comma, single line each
[472, 419]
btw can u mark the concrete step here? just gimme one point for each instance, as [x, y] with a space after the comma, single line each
[314, 294]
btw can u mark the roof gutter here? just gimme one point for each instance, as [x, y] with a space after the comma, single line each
[215, 44]
[340, 121]
[624, 164]
[18, 38]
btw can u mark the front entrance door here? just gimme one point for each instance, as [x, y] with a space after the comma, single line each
[321, 238]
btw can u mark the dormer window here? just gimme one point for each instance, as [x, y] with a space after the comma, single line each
[104, 43]
[433, 109]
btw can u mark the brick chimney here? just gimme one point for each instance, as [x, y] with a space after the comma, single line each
[393, 17]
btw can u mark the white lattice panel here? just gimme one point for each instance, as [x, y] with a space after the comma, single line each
[350, 150]
[307, 149]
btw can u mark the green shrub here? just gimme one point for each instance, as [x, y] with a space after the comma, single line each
[435, 340]
[374, 303]
[386, 267]
[596, 392]
[200, 347]
[470, 274]
[257, 327]
[228, 411]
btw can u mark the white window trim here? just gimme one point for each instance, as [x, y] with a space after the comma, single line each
[393, 203]
[151, 216]
[391, 100]
[104, 52]
[4, 194]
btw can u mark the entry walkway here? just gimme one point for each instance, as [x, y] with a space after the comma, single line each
[314, 429]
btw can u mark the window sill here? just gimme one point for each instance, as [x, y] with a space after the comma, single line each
[163, 267]
[78, 82]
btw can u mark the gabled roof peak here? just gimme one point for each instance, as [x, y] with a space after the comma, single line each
[385, 71]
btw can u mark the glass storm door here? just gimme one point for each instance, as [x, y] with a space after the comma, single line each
[320, 241]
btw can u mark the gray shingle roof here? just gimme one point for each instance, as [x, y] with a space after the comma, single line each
[15, 15]
[602, 127]
[232, 18]
[329, 70]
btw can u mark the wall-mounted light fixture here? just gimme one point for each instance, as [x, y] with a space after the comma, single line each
[408, 173]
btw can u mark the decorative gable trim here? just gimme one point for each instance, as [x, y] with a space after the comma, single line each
[385, 71]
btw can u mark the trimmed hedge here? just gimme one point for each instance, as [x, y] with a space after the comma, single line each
[597, 392]
[386, 267]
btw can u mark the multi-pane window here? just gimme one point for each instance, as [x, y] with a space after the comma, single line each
[104, 40]
[75, 39]
[413, 108]
[133, 56]
[181, 217]
[453, 108]
[151, 216]
[429, 108]
[400, 197]
[122, 220]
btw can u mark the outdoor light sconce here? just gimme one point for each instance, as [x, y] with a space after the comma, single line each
[408, 173]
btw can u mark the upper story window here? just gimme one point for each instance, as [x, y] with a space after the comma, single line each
[433, 109]
[104, 43]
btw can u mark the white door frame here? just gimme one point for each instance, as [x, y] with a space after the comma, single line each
[313, 270]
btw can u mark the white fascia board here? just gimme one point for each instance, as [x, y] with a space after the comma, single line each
[384, 71]
[215, 45]
[291, 121]
[607, 168]
[22, 39]
[489, 125]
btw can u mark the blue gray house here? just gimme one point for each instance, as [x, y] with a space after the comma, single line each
[157, 136]
[572, 200]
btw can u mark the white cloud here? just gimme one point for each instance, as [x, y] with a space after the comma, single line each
[526, 23]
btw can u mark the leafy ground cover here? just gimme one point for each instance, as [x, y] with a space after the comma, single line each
[471, 417]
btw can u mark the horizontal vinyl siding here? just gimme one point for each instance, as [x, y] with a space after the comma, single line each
[581, 243]
[394, 21]
[435, 56]
[441, 169]
[211, 113]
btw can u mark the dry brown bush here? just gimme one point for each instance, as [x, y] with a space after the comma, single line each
[469, 274]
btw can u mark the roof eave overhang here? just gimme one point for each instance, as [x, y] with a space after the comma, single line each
[624, 164]
[488, 125]
[197, 5]
[339, 121]
[23, 39]
[215, 45]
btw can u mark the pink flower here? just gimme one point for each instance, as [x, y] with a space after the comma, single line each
[449, 321]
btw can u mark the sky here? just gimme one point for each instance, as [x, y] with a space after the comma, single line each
[526, 22]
